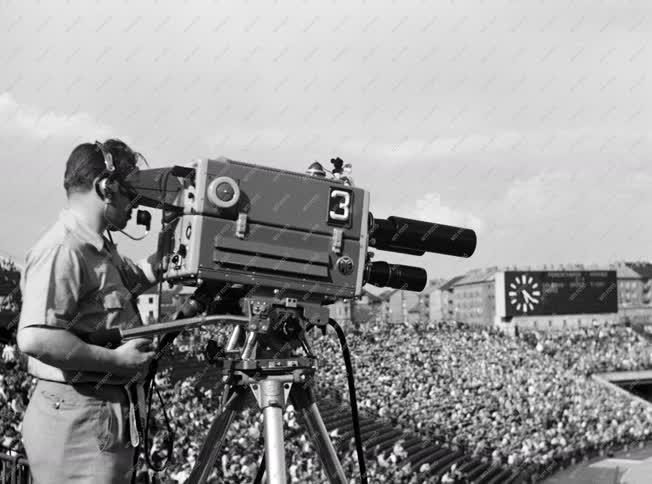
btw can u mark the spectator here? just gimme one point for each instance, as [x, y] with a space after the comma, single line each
[9, 354]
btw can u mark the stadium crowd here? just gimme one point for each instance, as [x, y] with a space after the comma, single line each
[15, 389]
[527, 401]
[193, 406]
[595, 349]
[9, 276]
[191, 409]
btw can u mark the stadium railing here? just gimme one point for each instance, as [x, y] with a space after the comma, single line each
[14, 469]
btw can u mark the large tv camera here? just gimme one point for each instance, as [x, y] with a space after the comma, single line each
[304, 236]
[284, 245]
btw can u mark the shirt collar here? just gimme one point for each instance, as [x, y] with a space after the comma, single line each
[73, 222]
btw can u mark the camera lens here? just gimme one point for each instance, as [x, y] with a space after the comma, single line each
[396, 276]
[224, 192]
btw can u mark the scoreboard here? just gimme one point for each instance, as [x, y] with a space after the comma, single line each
[544, 293]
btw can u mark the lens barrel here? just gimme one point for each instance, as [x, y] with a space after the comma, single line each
[383, 274]
[415, 237]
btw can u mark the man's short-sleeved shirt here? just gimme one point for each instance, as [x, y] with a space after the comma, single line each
[75, 279]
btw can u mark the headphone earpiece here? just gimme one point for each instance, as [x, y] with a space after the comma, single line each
[102, 186]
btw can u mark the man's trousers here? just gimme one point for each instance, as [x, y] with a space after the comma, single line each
[79, 433]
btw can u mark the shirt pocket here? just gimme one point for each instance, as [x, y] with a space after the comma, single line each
[113, 303]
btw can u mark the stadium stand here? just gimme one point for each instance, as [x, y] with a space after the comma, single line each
[444, 403]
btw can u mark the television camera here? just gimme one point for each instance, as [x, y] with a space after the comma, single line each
[285, 245]
[302, 236]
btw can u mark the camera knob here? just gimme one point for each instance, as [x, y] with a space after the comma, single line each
[345, 265]
[223, 192]
[291, 328]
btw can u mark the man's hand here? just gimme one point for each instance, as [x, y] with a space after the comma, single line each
[133, 357]
[156, 264]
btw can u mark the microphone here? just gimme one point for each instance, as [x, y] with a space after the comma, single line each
[143, 217]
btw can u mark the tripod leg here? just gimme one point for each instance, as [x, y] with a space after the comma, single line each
[271, 398]
[234, 339]
[215, 439]
[304, 401]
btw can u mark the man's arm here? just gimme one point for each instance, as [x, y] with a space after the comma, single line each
[52, 283]
[148, 271]
[138, 277]
[151, 268]
[63, 349]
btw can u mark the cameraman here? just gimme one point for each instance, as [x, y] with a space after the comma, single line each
[76, 426]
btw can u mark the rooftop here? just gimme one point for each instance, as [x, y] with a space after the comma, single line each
[450, 283]
[482, 275]
[643, 269]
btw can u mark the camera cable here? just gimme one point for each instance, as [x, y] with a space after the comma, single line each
[352, 397]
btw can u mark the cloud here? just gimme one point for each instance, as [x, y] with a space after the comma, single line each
[429, 208]
[570, 216]
[245, 140]
[442, 146]
[510, 144]
[546, 195]
[23, 119]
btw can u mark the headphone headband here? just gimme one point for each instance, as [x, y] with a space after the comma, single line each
[102, 186]
[108, 157]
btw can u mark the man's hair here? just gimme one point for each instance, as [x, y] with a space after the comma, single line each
[86, 162]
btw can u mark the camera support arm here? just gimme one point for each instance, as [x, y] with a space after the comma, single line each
[114, 337]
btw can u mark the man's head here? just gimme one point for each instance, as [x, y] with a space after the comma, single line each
[95, 175]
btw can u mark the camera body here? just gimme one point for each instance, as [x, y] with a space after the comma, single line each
[264, 227]
[298, 239]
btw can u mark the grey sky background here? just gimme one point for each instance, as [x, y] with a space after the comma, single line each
[528, 121]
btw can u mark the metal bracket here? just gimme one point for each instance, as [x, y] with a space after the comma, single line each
[337, 241]
[267, 392]
[241, 225]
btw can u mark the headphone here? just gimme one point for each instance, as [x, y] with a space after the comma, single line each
[103, 187]
[103, 184]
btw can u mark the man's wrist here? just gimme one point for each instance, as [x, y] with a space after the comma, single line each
[152, 268]
[109, 357]
[148, 271]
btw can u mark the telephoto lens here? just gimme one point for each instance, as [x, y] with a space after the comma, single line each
[408, 236]
[396, 276]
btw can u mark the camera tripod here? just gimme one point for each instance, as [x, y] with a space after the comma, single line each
[257, 357]
[273, 379]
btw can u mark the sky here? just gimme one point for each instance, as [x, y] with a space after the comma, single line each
[527, 121]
